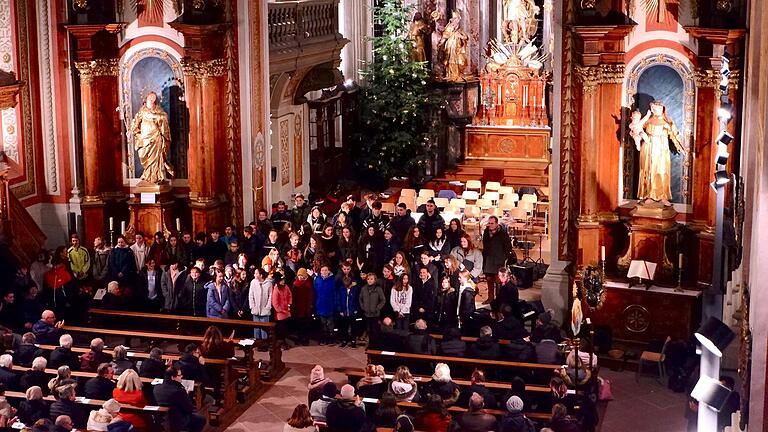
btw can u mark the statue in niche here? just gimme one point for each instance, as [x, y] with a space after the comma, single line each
[652, 135]
[418, 32]
[152, 138]
[453, 49]
[519, 21]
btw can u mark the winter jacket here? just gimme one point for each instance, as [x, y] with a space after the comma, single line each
[217, 304]
[99, 264]
[404, 392]
[497, 250]
[260, 297]
[485, 348]
[429, 224]
[325, 296]
[372, 300]
[46, 333]
[509, 328]
[171, 289]
[347, 301]
[91, 360]
[121, 261]
[425, 297]
[194, 297]
[474, 256]
[516, 422]
[400, 225]
[420, 342]
[380, 222]
[453, 348]
[344, 415]
[448, 391]
[281, 302]
[433, 422]
[303, 298]
[135, 398]
[467, 303]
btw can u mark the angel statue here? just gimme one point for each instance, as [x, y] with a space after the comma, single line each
[420, 28]
[653, 134]
[453, 49]
[519, 20]
[152, 138]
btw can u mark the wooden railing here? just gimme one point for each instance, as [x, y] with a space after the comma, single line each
[17, 227]
[296, 23]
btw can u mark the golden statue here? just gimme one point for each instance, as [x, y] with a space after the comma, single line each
[453, 49]
[655, 157]
[419, 30]
[152, 138]
[519, 20]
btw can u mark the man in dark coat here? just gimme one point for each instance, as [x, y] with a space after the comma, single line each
[8, 377]
[497, 253]
[486, 347]
[424, 296]
[47, 330]
[181, 411]
[387, 338]
[508, 326]
[194, 297]
[475, 419]
[63, 355]
[121, 264]
[402, 222]
[430, 221]
[27, 351]
[190, 365]
[300, 211]
[345, 414]
[67, 406]
[101, 386]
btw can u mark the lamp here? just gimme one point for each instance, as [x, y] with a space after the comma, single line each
[724, 112]
[721, 177]
[714, 335]
[709, 391]
[722, 154]
[724, 138]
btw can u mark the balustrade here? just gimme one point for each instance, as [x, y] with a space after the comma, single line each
[295, 23]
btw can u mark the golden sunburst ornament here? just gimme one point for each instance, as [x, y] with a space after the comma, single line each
[658, 8]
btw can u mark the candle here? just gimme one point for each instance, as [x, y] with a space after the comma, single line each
[157, 227]
[111, 223]
[542, 102]
[122, 227]
[602, 252]
[534, 101]
[525, 96]
[178, 224]
[680, 260]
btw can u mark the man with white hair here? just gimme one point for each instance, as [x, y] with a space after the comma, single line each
[63, 355]
[47, 330]
[91, 360]
[8, 377]
[35, 376]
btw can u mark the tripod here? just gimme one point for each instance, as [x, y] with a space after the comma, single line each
[541, 258]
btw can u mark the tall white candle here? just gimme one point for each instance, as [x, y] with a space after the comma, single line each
[111, 223]
[534, 101]
[157, 227]
[122, 227]
[602, 252]
[525, 96]
[178, 224]
[680, 260]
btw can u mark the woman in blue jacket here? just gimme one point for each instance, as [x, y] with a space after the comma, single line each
[324, 286]
[217, 305]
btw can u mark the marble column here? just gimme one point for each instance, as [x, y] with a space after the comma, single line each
[356, 24]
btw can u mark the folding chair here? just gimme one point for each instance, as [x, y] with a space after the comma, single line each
[407, 193]
[469, 195]
[473, 185]
[446, 193]
[492, 186]
[441, 203]
[458, 203]
[429, 193]
[484, 204]
[493, 196]
[506, 190]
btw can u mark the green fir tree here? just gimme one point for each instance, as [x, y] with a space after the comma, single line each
[398, 114]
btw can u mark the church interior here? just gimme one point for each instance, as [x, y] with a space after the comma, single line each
[383, 215]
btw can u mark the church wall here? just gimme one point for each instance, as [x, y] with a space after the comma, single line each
[289, 132]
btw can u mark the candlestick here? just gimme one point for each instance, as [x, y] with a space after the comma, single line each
[680, 260]
[679, 287]
[111, 223]
[602, 253]
[178, 224]
[122, 227]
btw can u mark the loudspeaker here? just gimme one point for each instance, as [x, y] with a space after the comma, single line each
[524, 274]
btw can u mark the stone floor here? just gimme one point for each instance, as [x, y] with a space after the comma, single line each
[646, 406]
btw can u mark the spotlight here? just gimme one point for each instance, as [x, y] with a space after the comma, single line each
[722, 155]
[714, 335]
[709, 391]
[724, 112]
[724, 82]
[722, 177]
[724, 138]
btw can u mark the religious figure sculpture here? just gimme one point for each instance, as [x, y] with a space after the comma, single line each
[453, 49]
[519, 20]
[419, 30]
[152, 138]
[655, 157]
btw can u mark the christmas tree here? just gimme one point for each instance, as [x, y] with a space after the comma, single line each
[398, 114]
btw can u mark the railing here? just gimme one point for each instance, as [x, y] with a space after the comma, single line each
[17, 227]
[295, 23]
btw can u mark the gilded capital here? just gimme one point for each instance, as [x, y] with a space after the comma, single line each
[733, 79]
[707, 78]
[592, 76]
[203, 69]
[100, 67]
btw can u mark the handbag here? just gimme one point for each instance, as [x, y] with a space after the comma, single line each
[604, 392]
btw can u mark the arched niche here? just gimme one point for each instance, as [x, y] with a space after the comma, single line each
[155, 70]
[668, 79]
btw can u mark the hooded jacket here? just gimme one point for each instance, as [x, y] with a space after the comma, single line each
[324, 296]
[372, 300]
[404, 392]
[260, 297]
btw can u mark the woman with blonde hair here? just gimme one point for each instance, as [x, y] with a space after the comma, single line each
[399, 264]
[403, 386]
[100, 419]
[372, 385]
[442, 385]
[129, 391]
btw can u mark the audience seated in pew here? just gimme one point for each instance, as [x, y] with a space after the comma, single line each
[372, 385]
[33, 407]
[36, 376]
[99, 420]
[171, 394]
[192, 365]
[387, 412]
[129, 390]
[441, 385]
[63, 378]
[101, 386]
[475, 419]
[8, 378]
[47, 330]
[317, 381]
[433, 417]
[452, 345]
[320, 406]
[419, 341]
[515, 420]
[27, 351]
[154, 366]
[403, 386]
[478, 386]
[91, 360]
[63, 355]
[300, 420]
[66, 405]
[347, 413]
[120, 362]
[486, 347]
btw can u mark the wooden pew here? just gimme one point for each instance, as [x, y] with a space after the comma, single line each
[276, 365]
[359, 373]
